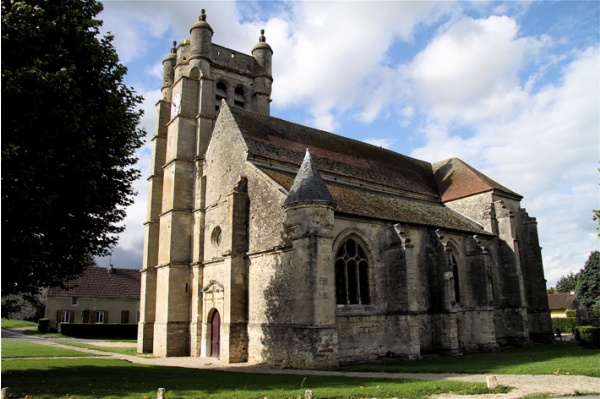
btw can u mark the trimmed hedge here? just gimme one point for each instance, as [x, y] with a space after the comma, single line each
[566, 325]
[43, 325]
[588, 336]
[99, 330]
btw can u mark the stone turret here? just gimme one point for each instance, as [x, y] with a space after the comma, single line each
[309, 221]
[169, 69]
[263, 81]
[263, 53]
[201, 38]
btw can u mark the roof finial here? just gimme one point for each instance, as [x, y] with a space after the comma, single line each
[174, 48]
[202, 15]
[262, 37]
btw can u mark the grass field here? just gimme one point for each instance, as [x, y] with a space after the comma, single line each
[87, 378]
[10, 323]
[112, 349]
[561, 358]
[98, 377]
[103, 378]
[21, 349]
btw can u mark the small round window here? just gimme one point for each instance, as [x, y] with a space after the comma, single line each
[216, 236]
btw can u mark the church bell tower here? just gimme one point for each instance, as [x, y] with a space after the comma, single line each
[197, 76]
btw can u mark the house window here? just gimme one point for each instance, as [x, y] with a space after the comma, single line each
[100, 317]
[74, 301]
[351, 274]
[124, 316]
[454, 265]
[65, 316]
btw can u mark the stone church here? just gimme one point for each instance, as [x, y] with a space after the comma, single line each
[271, 242]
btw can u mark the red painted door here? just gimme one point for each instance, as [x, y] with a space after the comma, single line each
[216, 335]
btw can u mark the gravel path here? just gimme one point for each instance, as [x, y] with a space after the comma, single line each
[556, 385]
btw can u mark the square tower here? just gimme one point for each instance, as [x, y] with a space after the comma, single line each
[197, 76]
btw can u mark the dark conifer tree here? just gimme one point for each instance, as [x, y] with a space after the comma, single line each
[588, 284]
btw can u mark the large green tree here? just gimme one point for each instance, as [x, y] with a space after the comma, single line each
[567, 283]
[588, 284]
[69, 139]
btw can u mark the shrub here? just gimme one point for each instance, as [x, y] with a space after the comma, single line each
[43, 325]
[99, 330]
[588, 336]
[566, 325]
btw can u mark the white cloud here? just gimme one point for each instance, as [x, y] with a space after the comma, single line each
[548, 153]
[333, 56]
[469, 72]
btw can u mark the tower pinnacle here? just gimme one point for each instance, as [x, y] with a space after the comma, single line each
[308, 185]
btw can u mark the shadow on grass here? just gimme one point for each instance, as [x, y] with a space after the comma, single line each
[83, 378]
[558, 358]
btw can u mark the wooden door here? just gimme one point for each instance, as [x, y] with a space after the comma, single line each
[216, 335]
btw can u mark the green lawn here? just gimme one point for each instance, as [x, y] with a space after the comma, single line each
[112, 349]
[10, 323]
[22, 349]
[103, 378]
[87, 378]
[108, 378]
[561, 358]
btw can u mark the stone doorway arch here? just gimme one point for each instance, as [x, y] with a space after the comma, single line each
[215, 341]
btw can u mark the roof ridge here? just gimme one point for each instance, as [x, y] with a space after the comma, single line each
[283, 141]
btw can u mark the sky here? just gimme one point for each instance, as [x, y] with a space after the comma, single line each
[511, 88]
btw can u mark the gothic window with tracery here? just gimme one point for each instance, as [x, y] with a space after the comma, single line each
[351, 274]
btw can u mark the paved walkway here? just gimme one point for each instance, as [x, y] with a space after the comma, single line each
[556, 385]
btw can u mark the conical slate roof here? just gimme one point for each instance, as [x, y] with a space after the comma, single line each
[308, 185]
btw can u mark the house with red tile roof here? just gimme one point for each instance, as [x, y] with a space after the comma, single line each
[98, 296]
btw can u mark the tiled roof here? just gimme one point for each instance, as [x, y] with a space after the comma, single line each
[399, 209]
[560, 301]
[272, 138]
[308, 185]
[97, 282]
[456, 179]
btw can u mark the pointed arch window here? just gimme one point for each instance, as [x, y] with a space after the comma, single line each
[351, 274]
[454, 265]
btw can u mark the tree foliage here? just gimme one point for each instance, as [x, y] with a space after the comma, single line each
[567, 283]
[69, 140]
[588, 285]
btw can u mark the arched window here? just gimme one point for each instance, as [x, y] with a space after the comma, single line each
[454, 265]
[351, 274]
[238, 98]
